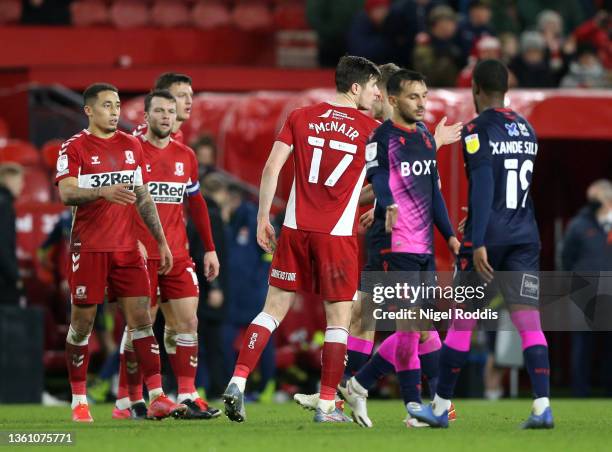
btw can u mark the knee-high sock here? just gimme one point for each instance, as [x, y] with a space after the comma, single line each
[186, 363]
[147, 351]
[358, 353]
[429, 354]
[408, 366]
[332, 361]
[77, 361]
[381, 364]
[454, 355]
[255, 339]
[535, 350]
[133, 369]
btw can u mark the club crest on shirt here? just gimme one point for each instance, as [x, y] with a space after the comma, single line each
[472, 143]
[129, 157]
[179, 169]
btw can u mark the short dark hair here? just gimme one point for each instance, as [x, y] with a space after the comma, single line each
[354, 69]
[386, 71]
[164, 93]
[394, 85]
[167, 79]
[91, 92]
[491, 76]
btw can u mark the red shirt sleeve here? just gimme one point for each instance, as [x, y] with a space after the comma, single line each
[197, 205]
[286, 133]
[68, 161]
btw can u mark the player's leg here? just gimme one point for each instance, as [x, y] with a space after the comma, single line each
[278, 302]
[520, 287]
[361, 339]
[453, 356]
[336, 268]
[129, 280]
[429, 354]
[87, 280]
[290, 265]
[77, 358]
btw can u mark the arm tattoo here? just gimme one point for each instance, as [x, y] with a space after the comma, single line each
[75, 196]
[148, 212]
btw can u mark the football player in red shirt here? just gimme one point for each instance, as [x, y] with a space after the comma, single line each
[327, 142]
[172, 170]
[100, 173]
[179, 86]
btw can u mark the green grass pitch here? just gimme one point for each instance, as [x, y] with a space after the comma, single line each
[481, 426]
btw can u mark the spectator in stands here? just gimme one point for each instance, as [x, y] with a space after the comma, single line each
[531, 67]
[476, 25]
[558, 48]
[411, 16]
[437, 54]
[45, 12]
[509, 47]
[205, 148]
[596, 32]
[571, 11]
[587, 248]
[586, 71]
[368, 36]
[11, 185]
[211, 308]
[487, 47]
[331, 19]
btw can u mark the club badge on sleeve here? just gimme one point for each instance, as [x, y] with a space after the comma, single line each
[472, 144]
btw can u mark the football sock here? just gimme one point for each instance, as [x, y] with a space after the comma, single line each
[186, 363]
[147, 351]
[535, 352]
[255, 340]
[358, 353]
[332, 363]
[408, 366]
[77, 361]
[429, 355]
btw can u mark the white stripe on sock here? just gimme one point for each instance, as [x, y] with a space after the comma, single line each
[336, 334]
[266, 320]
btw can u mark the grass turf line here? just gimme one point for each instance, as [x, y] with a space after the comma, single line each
[481, 426]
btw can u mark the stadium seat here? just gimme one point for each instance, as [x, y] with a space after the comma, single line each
[39, 185]
[290, 16]
[129, 14]
[208, 15]
[50, 151]
[89, 12]
[252, 16]
[168, 13]
[10, 11]
[20, 152]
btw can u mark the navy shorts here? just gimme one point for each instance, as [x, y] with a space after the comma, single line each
[518, 267]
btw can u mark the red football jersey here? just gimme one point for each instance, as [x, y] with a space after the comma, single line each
[329, 154]
[172, 173]
[141, 130]
[100, 225]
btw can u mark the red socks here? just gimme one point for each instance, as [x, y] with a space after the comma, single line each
[333, 361]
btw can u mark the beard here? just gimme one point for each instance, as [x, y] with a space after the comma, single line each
[409, 117]
[159, 133]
